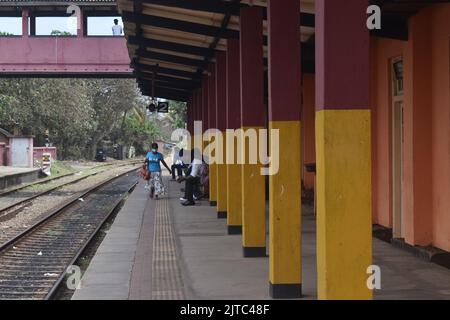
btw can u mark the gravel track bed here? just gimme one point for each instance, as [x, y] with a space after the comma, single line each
[21, 194]
[17, 219]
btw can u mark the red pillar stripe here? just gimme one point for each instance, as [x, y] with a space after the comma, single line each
[190, 111]
[25, 22]
[212, 98]
[342, 83]
[199, 108]
[194, 104]
[233, 85]
[252, 67]
[284, 61]
[205, 104]
[221, 91]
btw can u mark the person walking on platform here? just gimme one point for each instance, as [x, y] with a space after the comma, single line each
[153, 160]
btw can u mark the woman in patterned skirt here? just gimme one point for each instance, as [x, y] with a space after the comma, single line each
[153, 159]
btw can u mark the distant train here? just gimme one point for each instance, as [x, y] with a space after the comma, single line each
[118, 152]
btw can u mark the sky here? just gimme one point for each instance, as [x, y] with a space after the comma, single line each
[45, 25]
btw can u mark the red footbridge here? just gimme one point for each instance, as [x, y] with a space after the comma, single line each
[31, 54]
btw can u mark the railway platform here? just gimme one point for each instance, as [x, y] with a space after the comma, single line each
[161, 250]
[12, 176]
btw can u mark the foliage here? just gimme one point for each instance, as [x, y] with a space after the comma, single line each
[137, 132]
[81, 115]
[178, 112]
[4, 33]
[61, 33]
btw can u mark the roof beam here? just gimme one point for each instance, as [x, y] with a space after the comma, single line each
[394, 27]
[164, 93]
[221, 7]
[215, 6]
[172, 83]
[147, 84]
[167, 71]
[185, 26]
[169, 79]
[171, 46]
[171, 58]
[174, 90]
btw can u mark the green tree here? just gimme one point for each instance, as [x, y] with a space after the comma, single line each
[60, 33]
[110, 99]
[178, 114]
[80, 114]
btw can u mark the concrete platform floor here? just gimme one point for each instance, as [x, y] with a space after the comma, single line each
[161, 250]
[10, 171]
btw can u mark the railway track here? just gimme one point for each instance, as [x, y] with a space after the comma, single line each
[34, 262]
[19, 200]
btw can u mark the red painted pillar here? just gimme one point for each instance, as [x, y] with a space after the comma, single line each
[80, 23]
[190, 119]
[193, 113]
[205, 100]
[198, 116]
[221, 124]
[192, 103]
[212, 125]
[25, 12]
[196, 105]
[234, 174]
[343, 140]
[253, 119]
[284, 117]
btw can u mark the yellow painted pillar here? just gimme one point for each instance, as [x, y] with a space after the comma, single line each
[285, 277]
[344, 226]
[234, 174]
[253, 118]
[213, 185]
[221, 121]
[222, 210]
[343, 146]
[253, 198]
[234, 199]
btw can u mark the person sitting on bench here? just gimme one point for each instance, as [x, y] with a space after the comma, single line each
[178, 163]
[192, 179]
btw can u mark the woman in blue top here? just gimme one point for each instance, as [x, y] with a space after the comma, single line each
[153, 159]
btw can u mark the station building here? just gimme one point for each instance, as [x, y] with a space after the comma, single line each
[370, 108]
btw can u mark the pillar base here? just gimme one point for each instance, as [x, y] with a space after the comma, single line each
[221, 215]
[254, 252]
[285, 291]
[213, 203]
[234, 230]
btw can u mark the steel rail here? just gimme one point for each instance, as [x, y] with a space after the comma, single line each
[53, 214]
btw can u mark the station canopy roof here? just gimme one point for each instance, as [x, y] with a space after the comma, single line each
[177, 39]
[36, 3]
[173, 41]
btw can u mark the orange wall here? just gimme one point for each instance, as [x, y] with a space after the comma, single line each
[426, 193]
[440, 27]
[308, 128]
[417, 186]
